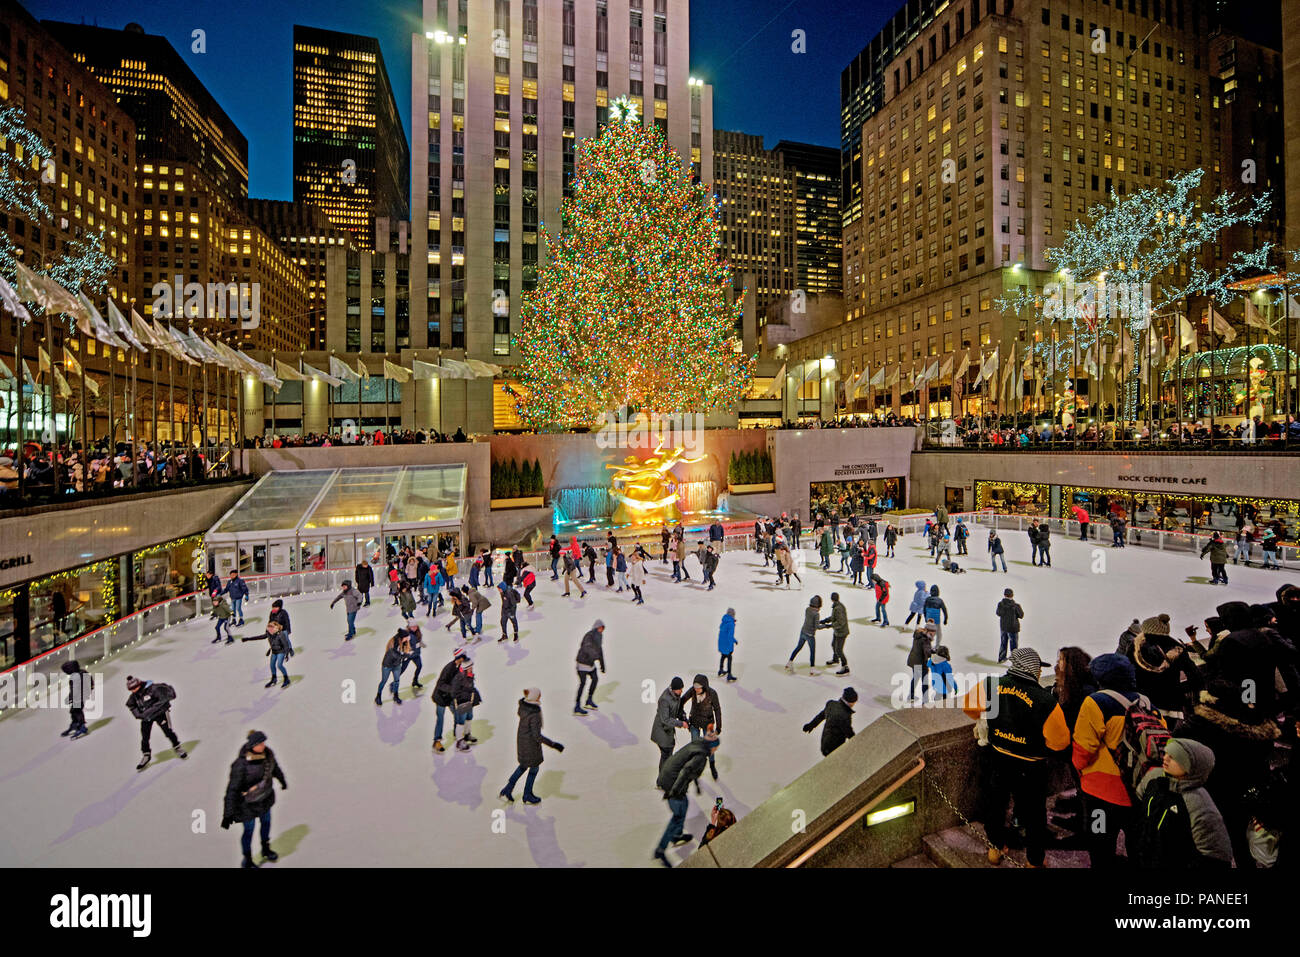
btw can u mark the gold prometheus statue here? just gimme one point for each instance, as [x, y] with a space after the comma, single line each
[646, 490]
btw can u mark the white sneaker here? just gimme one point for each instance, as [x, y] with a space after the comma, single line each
[789, 667]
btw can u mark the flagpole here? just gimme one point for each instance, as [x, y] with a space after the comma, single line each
[360, 382]
[153, 399]
[112, 383]
[85, 447]
[274, 396]
[171, 403]
[135, 398]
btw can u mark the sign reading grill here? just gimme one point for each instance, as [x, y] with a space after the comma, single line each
[852, 470]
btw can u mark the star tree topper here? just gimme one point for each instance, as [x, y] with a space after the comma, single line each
[625, 110]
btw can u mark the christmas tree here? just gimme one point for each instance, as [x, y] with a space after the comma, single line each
[631, 309]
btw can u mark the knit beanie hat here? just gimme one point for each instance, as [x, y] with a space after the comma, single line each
[255, 737]
[677, 684]
[850, 695]
[133, 683]
[1157, 625]
[1025, 663]
[532, 695]
[1135, 627]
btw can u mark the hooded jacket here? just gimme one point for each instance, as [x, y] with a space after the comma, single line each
[704, 710]
[591, 650]
[918, 599]
[838, 727]
[1099, 729]
[839, 620]
[683, 768]
[811, 619]
[1218, 550]
[727, 635]
[1181, 826]
[934, 605]
[1163, 682]
[529, 738]
[1009, 614]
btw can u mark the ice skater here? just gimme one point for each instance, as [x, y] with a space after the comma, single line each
[703, 710]
[151, 702]
[351, 603]
[1218, 552]
[677, 774]
[1009, 614]
[838, 718]
[668, 718]
[528, 746]
[808, 635]
[80, 685]
[959, 535]
[918, 659]
[590, 653]
[839, 624]
[237, 590]
[636, 576]
[464, 698]
[933, 607]
[442, 689]
[882, 601]
[727, 642]
[415, 644]
[509, 610]
[917, 605]
[406, 601]
[364, 576]
[280, 648]
[394, 655]
[223, 615]
[250, 795]
[996, 550]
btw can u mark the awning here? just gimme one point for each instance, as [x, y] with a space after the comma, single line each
[1233, 362]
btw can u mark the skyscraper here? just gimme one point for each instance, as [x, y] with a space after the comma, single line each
[756, 197]
[350, 156]
[818, 244]
[501, 92]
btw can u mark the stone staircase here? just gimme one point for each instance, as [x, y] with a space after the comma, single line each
[958, 847]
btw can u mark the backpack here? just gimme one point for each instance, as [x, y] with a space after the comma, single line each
[1141, 750]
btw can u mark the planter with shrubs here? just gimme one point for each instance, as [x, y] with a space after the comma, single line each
[750, 472]
[516, 485]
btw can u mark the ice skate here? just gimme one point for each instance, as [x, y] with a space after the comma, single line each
[144, 761]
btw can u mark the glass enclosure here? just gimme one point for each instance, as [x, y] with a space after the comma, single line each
[334, 518]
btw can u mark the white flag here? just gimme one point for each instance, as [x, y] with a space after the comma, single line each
[341, 370]
[946, 371]
[1254, 318]
[362, 371]
[65, 390]
[990, 367]
[1186, 334]
[1222, 328]
[315, 373]
[10, 301]
[396, 373]
[483, 369]
[287, 373]
[893, 378]
[427, 370]
[455, 369]
[122, 329]
[879, 378]
[96, 327]
[963, 365]
[774, 390]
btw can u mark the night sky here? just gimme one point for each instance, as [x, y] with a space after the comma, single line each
[743, 47]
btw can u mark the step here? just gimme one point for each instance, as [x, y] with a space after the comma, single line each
[958, 847]
[916, 860]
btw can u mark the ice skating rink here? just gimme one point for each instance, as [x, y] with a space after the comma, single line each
[365, 788]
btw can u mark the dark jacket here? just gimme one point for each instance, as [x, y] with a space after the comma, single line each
[921, 648]
[509, 600]
[1218, 550]
[838, 728]
[249, 769]
[237, 588]
[1009, 614]
[150, 702]
[463, 690]
[933, 603]
[442, 687]
[683, 769]
[702, 714]
[838, 620]
[1024, 719]
[279, 642]
[591, 651]
[282, 617]
[811, 620]
[1044, 536]
[529, 739]
[364, 576]
[1162, 681]
[668, 717]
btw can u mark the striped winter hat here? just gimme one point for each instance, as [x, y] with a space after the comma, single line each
[1025, 663]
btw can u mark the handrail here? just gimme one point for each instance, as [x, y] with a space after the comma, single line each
[858, 815]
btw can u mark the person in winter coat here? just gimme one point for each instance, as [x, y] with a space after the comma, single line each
[882, 600]
[250, 795]
[808, 634]
[442, 693]
[785, 566]
[590, 653]
[1032, 532]
[1164, 673]
[237, 591]
[529, 580]
[932, 608]
[1218, 552]
[351, 602]
[825, 547]
[81, 684]
[664, 536]
[223, 615]
[1127, 637]
[215, 589]
[668, 718]
[394, 658]
[857, 562]
[709, 562]
[394, 581]
[727, 642]
[464, 698]
[959, 535]
[509, 573]
[918, 659]
[1045, 545]
[554, 549]
[1180, 825]
[703, 710]
[944, 548]
[280, 648]
[406, 601]
[636, 576]
[838, 716]
[679, 560]
[678, 773]
[479, 603]
[589, 554]
[528, 746]
[996, 551]
[364, 576]
[280, 616]
[415, 652]
[573, 575]
[509, 610]
[1267, 544]
[839, 624]
[891, 539]
[1024, 722]
[917, 604]
[1097, 734]
[151, 704]
[1009, 614]
[1117, 529]
[941, 679]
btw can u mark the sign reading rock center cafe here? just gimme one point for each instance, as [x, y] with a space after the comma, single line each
[1163, 480]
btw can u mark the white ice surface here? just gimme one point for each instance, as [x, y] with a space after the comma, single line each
[366, 789]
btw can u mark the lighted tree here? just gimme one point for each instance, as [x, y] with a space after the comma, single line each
[631, 308]
[25, 165]
[1162, 240]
